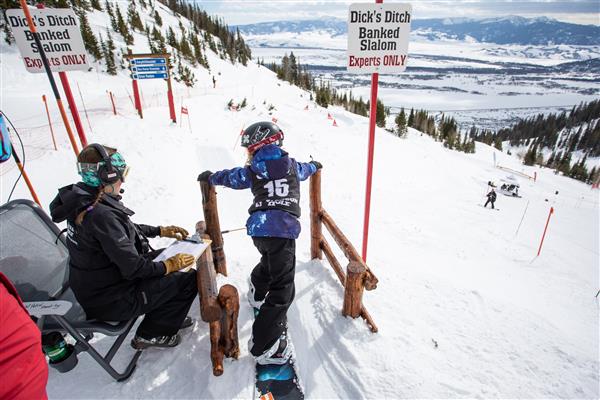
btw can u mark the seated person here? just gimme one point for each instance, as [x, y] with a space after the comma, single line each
[111, 271]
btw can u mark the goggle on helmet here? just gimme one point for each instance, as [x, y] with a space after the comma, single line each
[91, 172]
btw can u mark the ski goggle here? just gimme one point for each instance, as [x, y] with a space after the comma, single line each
[89, 171]
[276, 138]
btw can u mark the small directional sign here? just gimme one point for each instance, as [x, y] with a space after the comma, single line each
[148, 61]
[150, 76]
[149, 68]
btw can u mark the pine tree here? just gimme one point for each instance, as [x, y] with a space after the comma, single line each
[96, 5]
[380, 114]
[89, 40]
[113, 21]
[157, 18]
[122, 27]
[159, 39]
[531, 155]
[171, 39]
[400, 120]
[8, 36]
[184, 48]
[411, 118]
[498, 143]
[109, 54]
[134, 18]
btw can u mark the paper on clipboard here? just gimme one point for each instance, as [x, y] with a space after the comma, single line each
[181, 246]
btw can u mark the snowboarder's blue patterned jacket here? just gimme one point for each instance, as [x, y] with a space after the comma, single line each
[269, 223]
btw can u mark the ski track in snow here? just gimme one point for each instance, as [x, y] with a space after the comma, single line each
[452, 273]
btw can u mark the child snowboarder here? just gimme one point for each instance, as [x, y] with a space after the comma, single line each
[491, 198]
[274, 179]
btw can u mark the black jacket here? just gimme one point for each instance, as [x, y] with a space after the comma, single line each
[492, 196]
[106, 251]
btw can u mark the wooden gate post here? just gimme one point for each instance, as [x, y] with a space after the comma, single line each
[353, 290]
[206, 277]
[229, 300]
[315, 216]
[213, 227]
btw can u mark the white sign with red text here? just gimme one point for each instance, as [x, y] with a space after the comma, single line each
[60, 38]
[378, 36]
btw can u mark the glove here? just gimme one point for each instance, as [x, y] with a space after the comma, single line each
[177, 262]
[203, 177]
[317, 164]
[174, 232]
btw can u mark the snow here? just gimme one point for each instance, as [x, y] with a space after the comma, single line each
[464, 308]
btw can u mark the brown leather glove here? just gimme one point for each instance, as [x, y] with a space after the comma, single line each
[177, 262]
[173, 231]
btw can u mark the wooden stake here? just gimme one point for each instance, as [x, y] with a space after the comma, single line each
[207, 287]
[112, 101]
[230, 305]
[216, 355]
[354, 289]
[49, 121]
[213, 227]
[316, 233]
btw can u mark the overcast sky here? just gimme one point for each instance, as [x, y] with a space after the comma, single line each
[251, 11]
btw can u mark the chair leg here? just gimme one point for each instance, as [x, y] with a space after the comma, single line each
[103, 361]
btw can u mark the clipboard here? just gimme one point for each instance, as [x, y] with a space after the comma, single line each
[184, 246]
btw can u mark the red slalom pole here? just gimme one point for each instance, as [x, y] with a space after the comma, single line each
[70, 100]
[49, 121]
[73, 107]
[372, 119]
[136, 96]
[544, 235]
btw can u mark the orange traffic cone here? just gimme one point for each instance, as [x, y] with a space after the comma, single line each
[306, 108]
[274, 120]
[329, 116]
[335, 123]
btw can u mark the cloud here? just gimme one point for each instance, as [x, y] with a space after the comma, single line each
[251, 11]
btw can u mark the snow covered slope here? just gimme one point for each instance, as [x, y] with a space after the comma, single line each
[463, 307]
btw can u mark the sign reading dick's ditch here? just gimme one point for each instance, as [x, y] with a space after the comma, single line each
[59, 35]
[378, 37]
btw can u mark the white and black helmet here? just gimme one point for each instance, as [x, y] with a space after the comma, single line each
[260, 134]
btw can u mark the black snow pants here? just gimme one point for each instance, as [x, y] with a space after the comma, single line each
[489, 200]
[164, 300]
[273, 280]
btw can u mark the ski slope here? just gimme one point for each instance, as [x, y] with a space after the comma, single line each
[463, 306]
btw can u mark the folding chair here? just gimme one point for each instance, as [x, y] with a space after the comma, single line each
[34, 256]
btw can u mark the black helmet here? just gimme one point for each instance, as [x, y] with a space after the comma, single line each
[260, 134]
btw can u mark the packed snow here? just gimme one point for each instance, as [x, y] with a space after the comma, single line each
[464, 307]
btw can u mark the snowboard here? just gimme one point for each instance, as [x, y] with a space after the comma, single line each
[278, 382]
[490, 208]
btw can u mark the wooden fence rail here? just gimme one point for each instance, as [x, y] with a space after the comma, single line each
[358, 276]
[219, 308]
[213, 227]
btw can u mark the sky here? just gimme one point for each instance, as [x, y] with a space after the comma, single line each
[239, 12]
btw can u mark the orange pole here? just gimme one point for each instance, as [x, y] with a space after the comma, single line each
[544, 235]
[112, 100]
[61, 108]
[49, 121]
[24, 174]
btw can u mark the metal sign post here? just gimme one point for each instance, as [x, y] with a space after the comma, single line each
[377, 42]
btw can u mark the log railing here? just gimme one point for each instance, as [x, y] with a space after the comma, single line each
[358, 276]
[219, 308]
[213, 227]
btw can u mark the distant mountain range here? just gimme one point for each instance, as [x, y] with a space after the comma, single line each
[506, 30]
